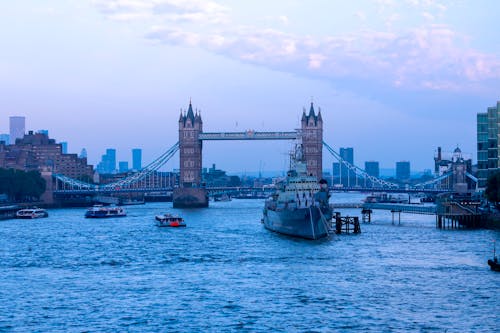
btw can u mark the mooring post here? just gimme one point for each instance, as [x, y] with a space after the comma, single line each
[338, 224]
[357, 228]
[366, 215]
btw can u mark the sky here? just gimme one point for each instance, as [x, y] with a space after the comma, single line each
[394, 79]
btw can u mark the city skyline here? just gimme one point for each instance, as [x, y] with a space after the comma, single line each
[109, 162]
[394, 80]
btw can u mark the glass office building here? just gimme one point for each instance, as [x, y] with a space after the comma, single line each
[487, 143]
[372, 168]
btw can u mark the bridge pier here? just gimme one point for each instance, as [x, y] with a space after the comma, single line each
[190, 197]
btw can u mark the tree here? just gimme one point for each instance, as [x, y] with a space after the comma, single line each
[492, 191]
[20, 185]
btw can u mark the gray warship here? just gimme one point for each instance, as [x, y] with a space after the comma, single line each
[299, 207]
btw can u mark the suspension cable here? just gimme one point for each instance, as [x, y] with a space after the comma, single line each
[358, 171]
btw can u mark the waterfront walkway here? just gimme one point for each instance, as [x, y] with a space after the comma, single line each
[403, 208]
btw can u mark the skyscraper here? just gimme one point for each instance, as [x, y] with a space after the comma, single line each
[108, 162]
[403, 170]
[17, 128]
[137, 159]
[122, 166]
[111, 159]
[372, 168]
[347, 154]
[336, 173]
[64, 147]
[488, 128]
[83, 153]
[347, 176]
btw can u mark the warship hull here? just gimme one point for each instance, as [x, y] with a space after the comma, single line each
[308, 223]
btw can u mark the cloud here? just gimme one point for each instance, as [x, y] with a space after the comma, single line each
[283, 19]
[431, 4]
[429, 57]
[198, 11]
[360, 15]
[316, 60]
[428, 16]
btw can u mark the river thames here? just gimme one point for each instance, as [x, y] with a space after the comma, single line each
[225, 272]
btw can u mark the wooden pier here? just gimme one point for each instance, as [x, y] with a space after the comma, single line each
[346, 224]
[404, 208]
[459, 215]
[457, 221]
[450, 214]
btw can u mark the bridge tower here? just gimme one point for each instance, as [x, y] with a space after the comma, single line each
[190, 193]
[312, 141]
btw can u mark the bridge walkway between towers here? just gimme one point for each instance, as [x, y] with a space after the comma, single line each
[249, 135]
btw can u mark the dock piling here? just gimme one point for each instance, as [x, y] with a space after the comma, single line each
[343, 224]
[393, 211]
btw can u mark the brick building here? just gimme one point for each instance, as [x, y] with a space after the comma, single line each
[36, 151]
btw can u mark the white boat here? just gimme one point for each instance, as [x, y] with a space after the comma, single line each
[105, 212]
[31, 213]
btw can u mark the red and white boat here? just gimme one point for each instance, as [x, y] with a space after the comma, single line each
[169, 220]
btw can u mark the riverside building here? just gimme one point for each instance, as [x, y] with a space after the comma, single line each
[36, 151]
[488, 124]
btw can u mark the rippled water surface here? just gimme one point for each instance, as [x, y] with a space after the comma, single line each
[225, 272]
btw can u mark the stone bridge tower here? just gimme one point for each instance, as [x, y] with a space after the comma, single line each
[312, 141]
[190, 193]
[190, 126]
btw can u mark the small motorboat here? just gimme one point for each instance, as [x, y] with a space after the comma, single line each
[494, 264]
[99, 211]
[31, 213]
[169, 220]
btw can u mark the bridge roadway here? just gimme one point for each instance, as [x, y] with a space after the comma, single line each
[156, 189]
[245, 189]
[116, 190]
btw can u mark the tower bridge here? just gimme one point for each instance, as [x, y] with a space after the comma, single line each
[191, 193]
[191, 137]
